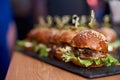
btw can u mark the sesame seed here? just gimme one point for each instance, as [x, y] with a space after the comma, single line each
[87, 34]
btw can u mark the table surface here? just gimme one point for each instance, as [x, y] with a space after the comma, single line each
[23, 67]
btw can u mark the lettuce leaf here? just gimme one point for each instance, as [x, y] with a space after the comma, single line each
[110, 60]
[67, 56]
[37, 48]
[86, 63]
[42, 50]
[114, 44]
[19, 44]
[25, 43]
[97, 61]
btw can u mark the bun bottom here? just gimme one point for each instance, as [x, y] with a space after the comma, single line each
[58, 54]
[74, 61]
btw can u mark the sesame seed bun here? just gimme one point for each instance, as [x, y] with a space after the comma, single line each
[109, 33]
[43, 35]
[90, 39]
[67, 36]
[32, 35]
[55, 36]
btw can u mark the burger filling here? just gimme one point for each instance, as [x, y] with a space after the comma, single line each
[87, 53]
[112, 45]
[68, 55]
[41, 49]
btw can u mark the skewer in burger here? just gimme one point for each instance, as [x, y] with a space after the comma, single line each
[89, 49]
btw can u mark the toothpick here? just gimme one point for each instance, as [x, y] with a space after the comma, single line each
[49, 20]
[65, 19]
[83, 20]
[42, 21]
[92, 23]
[58, 21]
[106, 20]
[75, 20]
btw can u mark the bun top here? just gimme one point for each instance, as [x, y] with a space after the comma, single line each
[54, 36]
[67, 36]
[33, 34]
[43, 35]
[109, 33]
[90, 39]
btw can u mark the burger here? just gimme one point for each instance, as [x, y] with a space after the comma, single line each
[32, 35]
[88, 49]
[67, 36]
[64, 39]
[85, 48]
[111, 36]
[109, 33]
[43, 35]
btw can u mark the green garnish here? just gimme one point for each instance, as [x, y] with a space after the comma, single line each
[109, 60]
[59, 23]
[83, 21]
[97, 61]
[19, 44]
[67, 56]
[86, 63]
[114, 44]
[37, 48]
[42, 50]
[106, 21]
[92, 24]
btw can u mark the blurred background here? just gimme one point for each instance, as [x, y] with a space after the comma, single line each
[26, 12]
[18, 17]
